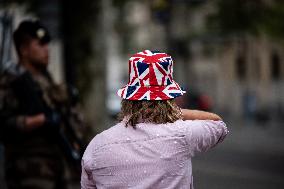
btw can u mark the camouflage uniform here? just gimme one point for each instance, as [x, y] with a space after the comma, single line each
[33, 159]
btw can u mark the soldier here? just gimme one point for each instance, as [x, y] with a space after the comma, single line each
[38, 117]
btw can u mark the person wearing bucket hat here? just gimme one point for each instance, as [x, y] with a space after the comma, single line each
[154, 141]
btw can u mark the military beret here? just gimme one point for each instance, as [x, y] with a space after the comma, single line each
[33, 29]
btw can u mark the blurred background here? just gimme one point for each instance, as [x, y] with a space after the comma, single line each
[228, 55]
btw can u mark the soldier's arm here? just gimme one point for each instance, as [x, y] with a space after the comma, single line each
[199, 115]
[9, 117]
[24, 123]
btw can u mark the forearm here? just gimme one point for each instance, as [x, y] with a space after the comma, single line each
[23, 123]
[199, 115]
[33, 122]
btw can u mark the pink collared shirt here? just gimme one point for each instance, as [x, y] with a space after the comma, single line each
[150, 156]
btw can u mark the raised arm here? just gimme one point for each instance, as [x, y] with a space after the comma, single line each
[199, 115]
[205, 130]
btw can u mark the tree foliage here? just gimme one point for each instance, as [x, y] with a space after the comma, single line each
[253, 17]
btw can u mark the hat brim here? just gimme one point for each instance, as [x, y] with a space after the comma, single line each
[133, 92]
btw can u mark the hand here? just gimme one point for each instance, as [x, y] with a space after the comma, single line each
[32, 122]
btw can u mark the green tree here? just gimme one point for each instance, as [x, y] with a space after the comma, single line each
[253, 17]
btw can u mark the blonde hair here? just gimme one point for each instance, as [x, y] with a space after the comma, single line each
[154, 111]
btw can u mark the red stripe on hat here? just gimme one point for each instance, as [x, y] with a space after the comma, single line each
[153, 80]
[157, 93]
[139, 93]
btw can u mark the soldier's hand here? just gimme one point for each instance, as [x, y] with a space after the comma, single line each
[32, 122]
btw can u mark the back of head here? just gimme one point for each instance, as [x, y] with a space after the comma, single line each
[28, 30]
[154, 111]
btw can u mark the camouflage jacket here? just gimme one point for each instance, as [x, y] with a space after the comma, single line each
[16, 102]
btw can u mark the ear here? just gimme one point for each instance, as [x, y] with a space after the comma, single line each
[24, 49]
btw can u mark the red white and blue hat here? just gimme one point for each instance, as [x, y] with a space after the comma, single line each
[150, 78]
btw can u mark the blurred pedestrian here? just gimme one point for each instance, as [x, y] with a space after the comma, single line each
[152, 145]
[38, 117]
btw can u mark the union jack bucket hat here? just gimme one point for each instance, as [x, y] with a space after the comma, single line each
[150, 78]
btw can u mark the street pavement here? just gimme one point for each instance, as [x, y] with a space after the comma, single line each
[251, 157]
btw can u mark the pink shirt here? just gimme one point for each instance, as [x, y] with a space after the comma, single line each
[150, 156]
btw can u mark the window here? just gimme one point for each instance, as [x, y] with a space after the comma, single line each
[240, 67]
[275, 66]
